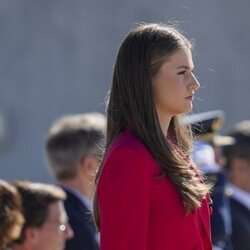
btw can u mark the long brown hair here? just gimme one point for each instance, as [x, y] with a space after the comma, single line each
[131, 105]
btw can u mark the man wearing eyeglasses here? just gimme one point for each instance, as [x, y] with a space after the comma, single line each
[46, 224]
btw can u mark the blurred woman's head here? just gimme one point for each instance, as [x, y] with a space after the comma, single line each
[11, 218]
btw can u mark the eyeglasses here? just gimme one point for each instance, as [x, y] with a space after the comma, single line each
[61, 226]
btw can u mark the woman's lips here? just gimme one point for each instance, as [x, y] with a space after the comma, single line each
[190, 98]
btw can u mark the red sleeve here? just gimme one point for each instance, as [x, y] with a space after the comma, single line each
[123, 195]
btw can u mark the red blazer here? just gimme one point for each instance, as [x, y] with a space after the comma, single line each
[140, 210]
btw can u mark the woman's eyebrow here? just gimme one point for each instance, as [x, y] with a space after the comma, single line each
[185, 67]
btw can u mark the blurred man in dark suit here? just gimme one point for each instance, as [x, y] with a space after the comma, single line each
[73, 150]
[238, 164]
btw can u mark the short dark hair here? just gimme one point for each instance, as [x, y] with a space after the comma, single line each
[36, 199]
[11, 218]
[241, 147]
[71, 139]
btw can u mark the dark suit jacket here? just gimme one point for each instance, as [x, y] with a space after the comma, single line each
[240, 225]
[80, 220]
[220, 220]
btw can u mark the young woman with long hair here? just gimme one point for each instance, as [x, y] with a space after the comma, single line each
[150, 195]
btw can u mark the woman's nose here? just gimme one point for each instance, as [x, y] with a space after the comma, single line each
[195, 83]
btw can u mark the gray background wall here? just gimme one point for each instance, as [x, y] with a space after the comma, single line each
[57, 56]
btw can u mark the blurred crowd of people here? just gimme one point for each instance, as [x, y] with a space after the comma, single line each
[54, 217]
[225, 161]
[50, 217]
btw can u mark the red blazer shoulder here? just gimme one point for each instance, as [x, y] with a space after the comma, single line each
[126, 144]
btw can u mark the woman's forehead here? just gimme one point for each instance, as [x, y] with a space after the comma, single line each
[182, 58]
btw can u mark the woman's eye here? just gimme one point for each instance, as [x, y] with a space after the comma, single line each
[182, 72]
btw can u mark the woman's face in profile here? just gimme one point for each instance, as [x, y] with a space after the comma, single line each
[175, 84]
